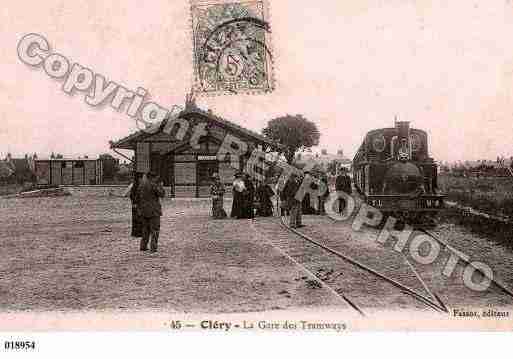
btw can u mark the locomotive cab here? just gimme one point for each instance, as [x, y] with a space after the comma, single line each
[393, 172]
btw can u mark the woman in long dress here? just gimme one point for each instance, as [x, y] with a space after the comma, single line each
[264, 193]
[134, 198]
[238, 197]
[217, 193]
[249, 198]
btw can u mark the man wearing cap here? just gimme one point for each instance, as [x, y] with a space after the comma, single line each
[150, 210]
[288, 195]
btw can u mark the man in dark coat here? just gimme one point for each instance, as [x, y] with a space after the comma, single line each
[324, 196]
[134, 198]
[343, 183]
[150, 210]
[307, 205]
[288, 195]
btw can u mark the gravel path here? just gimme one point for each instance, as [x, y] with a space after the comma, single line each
[74, 253]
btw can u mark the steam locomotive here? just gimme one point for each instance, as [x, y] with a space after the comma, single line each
[393, 172]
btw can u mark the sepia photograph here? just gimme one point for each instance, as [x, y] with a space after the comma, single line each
[256, 166]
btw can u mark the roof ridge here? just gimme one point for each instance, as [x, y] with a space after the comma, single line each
[207, 113]
[222, 119]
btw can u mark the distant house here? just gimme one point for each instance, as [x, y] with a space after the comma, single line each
[487, 168]
[69, 171]
[323, 160]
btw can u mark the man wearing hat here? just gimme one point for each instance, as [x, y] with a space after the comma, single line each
[288, 196]
[150, 210]
[343, 183]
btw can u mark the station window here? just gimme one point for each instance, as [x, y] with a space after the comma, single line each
[206, 170]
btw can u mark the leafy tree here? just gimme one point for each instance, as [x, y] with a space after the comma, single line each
[56, 156]
[296, 133]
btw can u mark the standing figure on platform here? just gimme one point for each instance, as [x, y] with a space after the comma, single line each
[150, 192]
[249, 197]
[264, 193]
[238, 196]
[134, 198]
[217, 193]
[307, 205]
[324, 196]
[291, 203]
[343, 184]
[283, 208]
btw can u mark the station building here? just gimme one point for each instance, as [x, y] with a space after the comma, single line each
[186, 166]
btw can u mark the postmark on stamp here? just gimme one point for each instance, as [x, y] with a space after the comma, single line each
[232, 47]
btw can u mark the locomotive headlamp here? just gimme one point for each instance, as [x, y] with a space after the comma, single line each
[403, 153]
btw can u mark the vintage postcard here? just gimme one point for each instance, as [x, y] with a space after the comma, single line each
[256, 166]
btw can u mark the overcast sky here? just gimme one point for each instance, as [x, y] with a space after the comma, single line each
[349, 66]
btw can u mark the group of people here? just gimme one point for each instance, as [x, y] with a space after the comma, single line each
[295, 209]
[246, 198]
[146, 191]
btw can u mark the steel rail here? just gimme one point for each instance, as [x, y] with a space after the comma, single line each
[338, 294]
[402, 287]
[433, 294]
[462, 257]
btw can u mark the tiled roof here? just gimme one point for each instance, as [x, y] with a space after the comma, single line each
[122, 143]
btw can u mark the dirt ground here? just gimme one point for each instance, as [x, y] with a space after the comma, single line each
[75, 253]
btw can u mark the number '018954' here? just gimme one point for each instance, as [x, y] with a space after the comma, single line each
[19, 345]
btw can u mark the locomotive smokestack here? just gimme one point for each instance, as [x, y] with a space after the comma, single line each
[403, 129]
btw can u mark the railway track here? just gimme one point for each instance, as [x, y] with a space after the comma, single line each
[501, 287]
[337, 293]
[435, 300]
[425, 228]
[324, 251]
